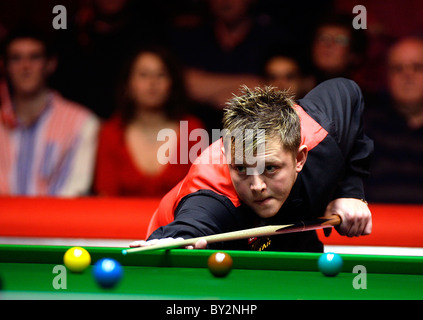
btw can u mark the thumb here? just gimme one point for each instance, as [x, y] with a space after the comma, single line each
[201, 244]
[328, 212]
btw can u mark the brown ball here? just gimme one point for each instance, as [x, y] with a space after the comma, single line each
[220, 264]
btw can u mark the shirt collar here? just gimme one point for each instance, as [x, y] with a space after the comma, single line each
[7, 109]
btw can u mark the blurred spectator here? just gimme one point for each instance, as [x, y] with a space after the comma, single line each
[385, 24]
[47, 143]
[338, 50]
[98, 41]
[131, 161]
[396, 125]
[226, 51]
[285, 71]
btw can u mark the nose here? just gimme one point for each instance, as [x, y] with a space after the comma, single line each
[257, 184]
[25, 64]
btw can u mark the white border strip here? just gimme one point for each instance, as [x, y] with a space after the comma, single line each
[375, 250]
[67, 242]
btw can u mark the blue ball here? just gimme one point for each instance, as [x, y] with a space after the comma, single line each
[107, 272]
[330, 264]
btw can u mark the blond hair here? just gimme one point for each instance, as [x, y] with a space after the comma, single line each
[266, 110]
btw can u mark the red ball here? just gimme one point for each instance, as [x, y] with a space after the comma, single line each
[220, 264]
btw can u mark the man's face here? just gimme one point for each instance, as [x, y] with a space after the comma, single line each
[405, 72]
[284, 74]
[266, 191]
[27, 65]
[331, 49]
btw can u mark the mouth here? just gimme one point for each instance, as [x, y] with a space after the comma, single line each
[263, 201]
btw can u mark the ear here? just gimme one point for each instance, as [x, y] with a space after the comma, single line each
[51, 65]
[301, 157]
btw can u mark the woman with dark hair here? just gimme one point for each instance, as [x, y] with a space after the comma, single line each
[132, 160]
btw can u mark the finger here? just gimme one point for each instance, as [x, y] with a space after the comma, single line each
[144, 243]
[344, 227]
[362, 229]
[368, 227]
[364, 223]
[138, 243]
[201, 244]
[354, 225]
[165, 240]
[359, 224]
[151, 242]
[351, 224]
[354, 231]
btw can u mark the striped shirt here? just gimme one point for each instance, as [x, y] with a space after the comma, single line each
[54, 155]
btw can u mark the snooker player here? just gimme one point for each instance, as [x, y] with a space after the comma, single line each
[310, 162]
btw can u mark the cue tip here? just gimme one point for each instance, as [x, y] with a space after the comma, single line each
[124, 252]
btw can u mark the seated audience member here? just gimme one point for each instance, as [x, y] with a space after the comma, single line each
[393, 21]
[226, 51]
[396, 125]
[97, 43]
[131, 161]
[338, 50]
[284, 71]
[308, 161]
[47, 143]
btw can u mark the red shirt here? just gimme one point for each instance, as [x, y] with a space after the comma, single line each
[117, 173]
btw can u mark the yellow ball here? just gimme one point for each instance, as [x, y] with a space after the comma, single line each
[77, 259]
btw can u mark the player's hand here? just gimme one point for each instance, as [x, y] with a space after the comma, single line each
[146, 243]
[200, 244]
[355, 215]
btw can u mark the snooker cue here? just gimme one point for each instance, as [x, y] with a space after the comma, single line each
[319, 223]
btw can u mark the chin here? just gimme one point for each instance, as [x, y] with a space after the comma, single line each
[266, 215]
[267, 211]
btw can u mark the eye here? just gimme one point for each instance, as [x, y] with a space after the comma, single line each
[162, 74]
[36, 56]
[15, 58]
[240, 169]
[141, 74]
[270, 169]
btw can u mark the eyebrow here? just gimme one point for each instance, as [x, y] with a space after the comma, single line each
[270, 161]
